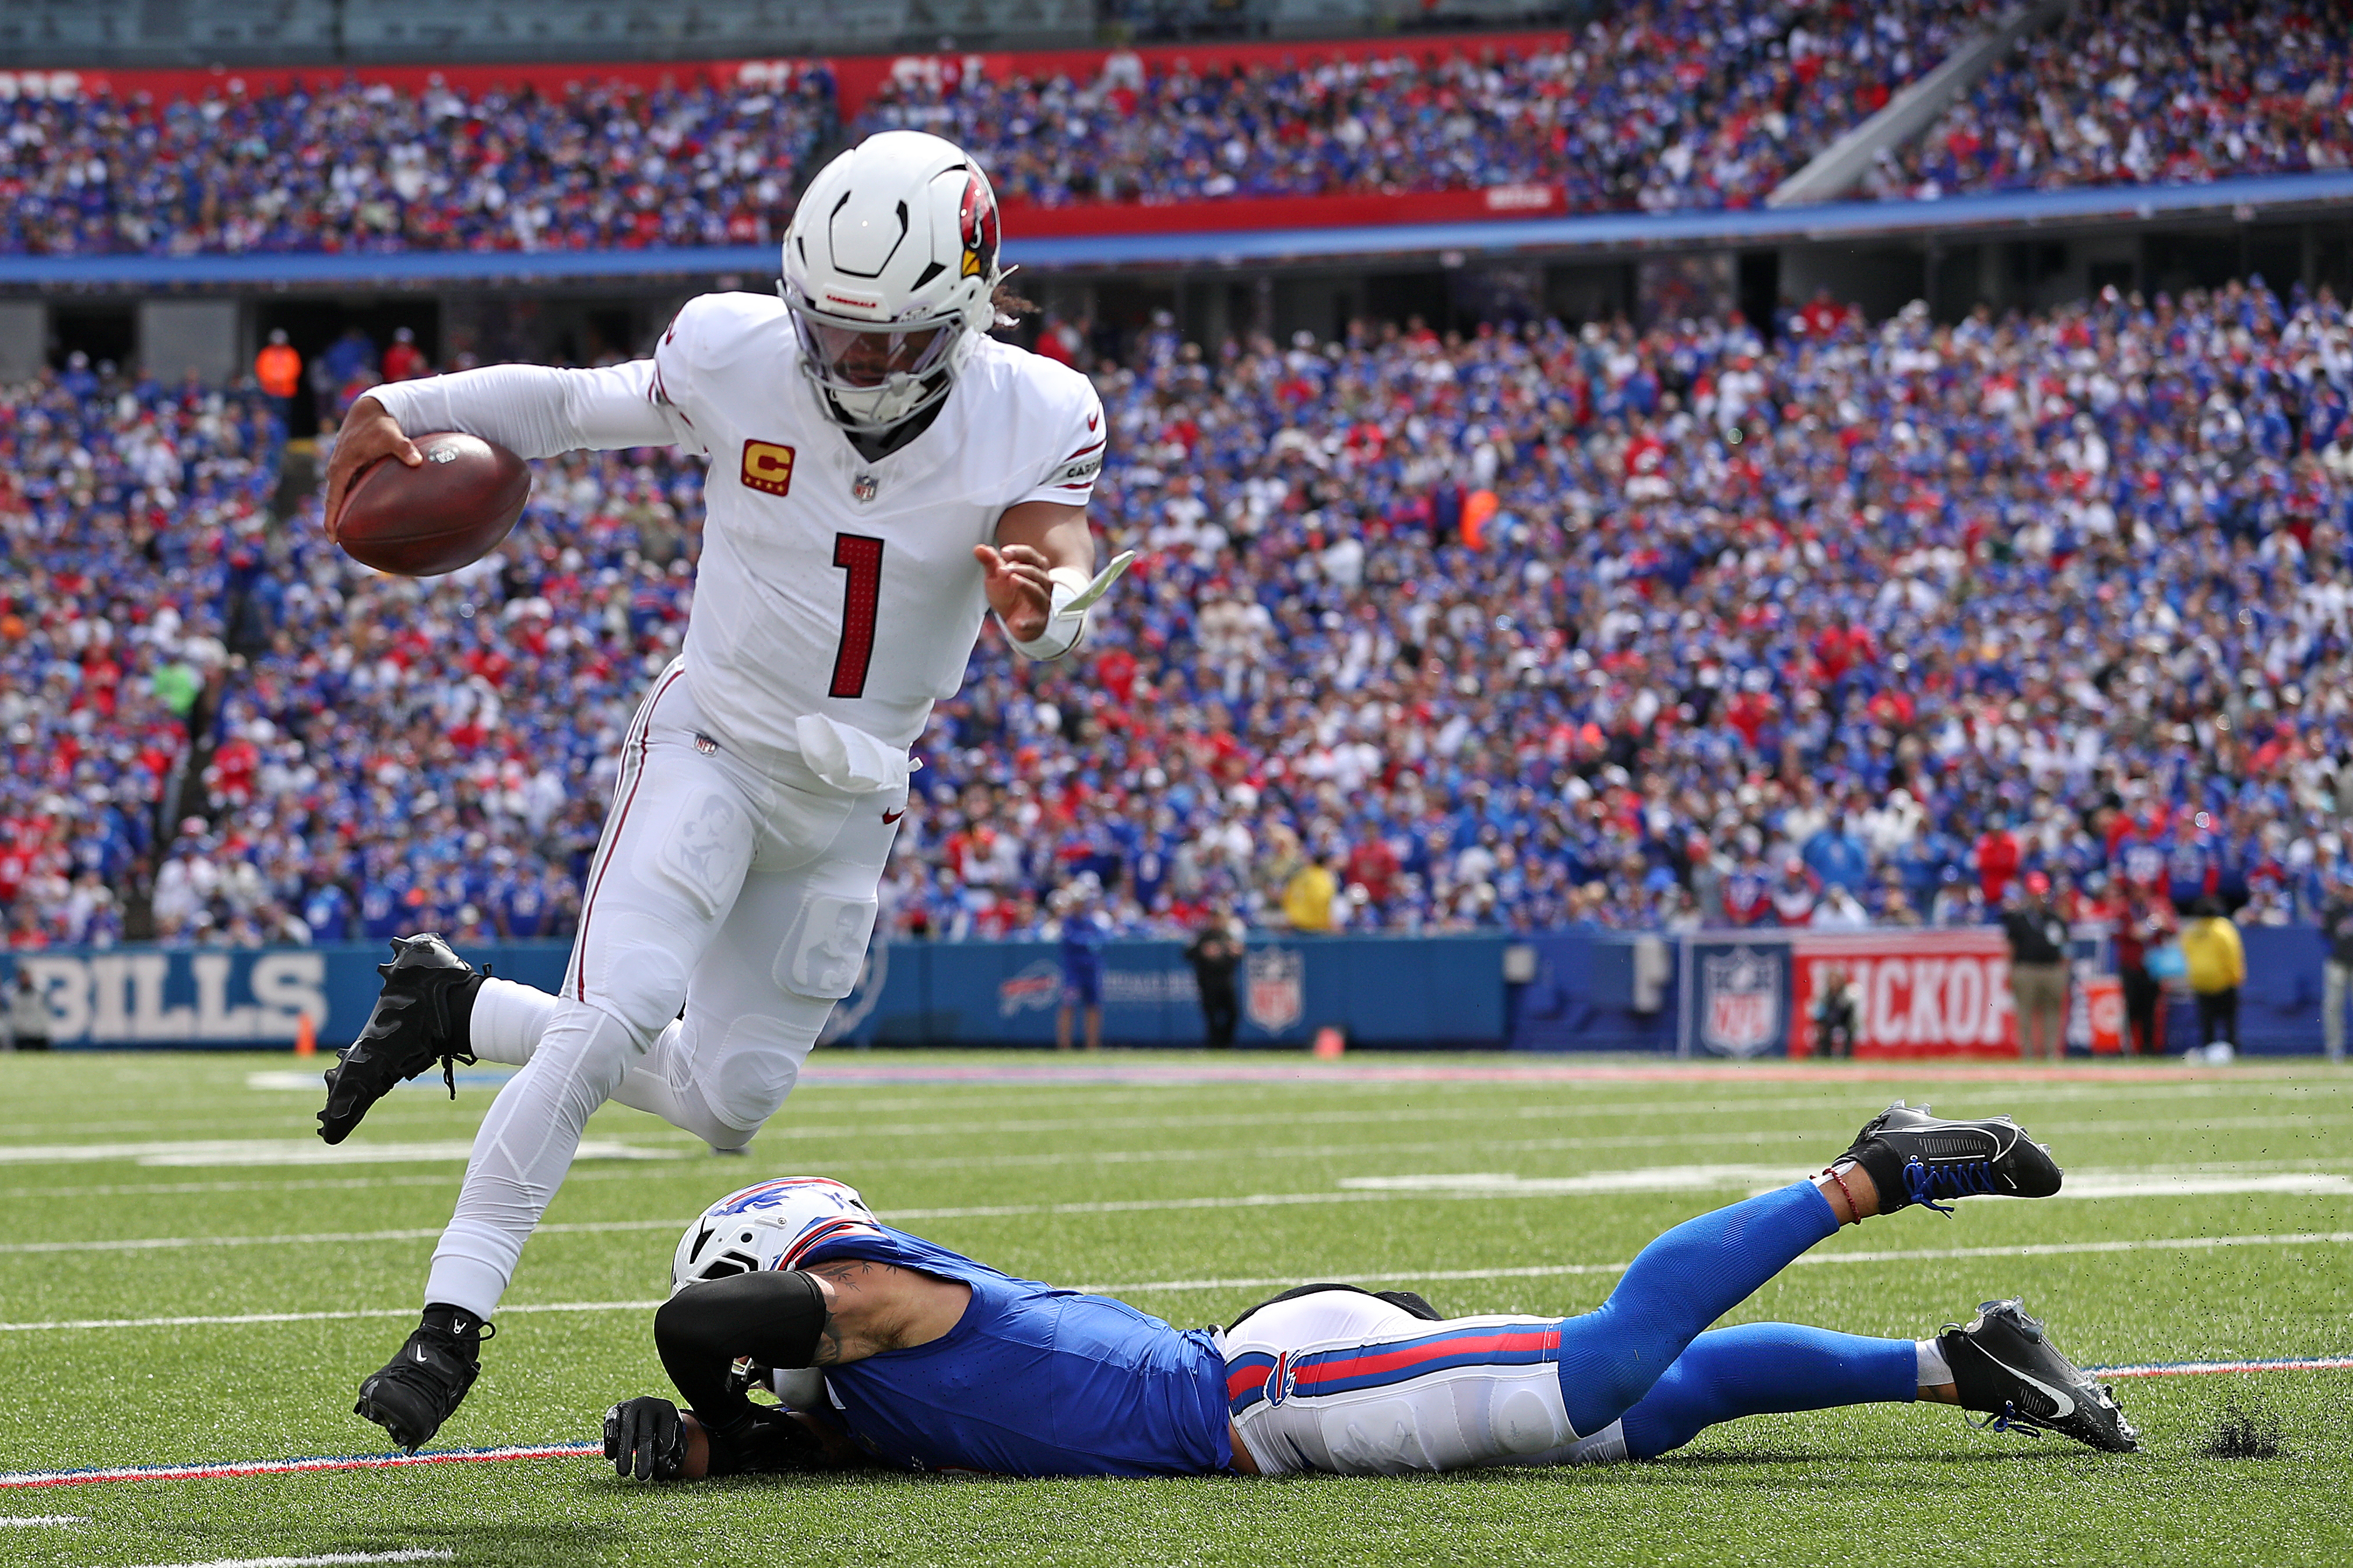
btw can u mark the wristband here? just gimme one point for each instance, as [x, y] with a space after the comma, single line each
[1064, 627]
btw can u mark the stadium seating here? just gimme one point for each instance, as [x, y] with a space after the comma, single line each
[1660, 106]
[1531, 629]
[349, 167]
[2134, 92]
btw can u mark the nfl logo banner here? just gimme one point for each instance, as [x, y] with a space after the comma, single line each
[1274, 988]
[1743, 1001]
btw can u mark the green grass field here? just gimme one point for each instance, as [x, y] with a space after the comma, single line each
[1192, 1198]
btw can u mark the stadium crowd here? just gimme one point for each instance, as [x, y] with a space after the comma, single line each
[348, 166]
[1661, 104]
[2138, 93]
[1531, 627]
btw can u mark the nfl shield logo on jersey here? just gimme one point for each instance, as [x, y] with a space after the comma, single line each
[1275, 995]
[1740, 1002]
[864, 488]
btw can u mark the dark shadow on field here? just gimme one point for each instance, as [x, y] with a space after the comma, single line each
[503, 1545]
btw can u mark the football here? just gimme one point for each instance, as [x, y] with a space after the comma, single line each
[448, 511]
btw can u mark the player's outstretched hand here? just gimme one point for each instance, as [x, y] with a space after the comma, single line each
[645, 1439]
[1019, 589]
[369, 434]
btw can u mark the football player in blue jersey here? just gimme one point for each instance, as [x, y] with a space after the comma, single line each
[886, 1349]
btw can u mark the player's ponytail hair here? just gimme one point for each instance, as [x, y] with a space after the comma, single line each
[1010, 306]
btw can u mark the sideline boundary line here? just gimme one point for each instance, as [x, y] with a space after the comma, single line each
[232, 1469]
[29, 1478]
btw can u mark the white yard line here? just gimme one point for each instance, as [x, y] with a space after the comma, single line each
[1531, 1271]
[1470, 1186]
[1550, 1271]
[413, 1554]
[290, 1151]
[31, 1519]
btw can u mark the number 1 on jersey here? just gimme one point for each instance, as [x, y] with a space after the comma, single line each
[861, 556]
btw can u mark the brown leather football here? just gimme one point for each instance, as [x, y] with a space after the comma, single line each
[448, 512]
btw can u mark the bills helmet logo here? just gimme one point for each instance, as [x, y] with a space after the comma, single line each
[977, 218]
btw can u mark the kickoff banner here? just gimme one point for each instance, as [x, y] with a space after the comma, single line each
[1914, 993]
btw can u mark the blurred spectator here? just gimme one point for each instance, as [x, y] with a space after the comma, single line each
[2038, 969]
[278, 368]
[1839, 911]
[2216, 965]
[29, 1015]
[1835, 1009]
[2337, 933]
[403, 361]
[2144, 922]
[1215, 953]
[1080, 933]
[1309, 896]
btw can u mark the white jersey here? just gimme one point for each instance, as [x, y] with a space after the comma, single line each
[829, 584]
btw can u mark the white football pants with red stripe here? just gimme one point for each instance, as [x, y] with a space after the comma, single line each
[738, 888]
[1348, 1384]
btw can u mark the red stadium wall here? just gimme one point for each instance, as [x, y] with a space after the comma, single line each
[860, 77]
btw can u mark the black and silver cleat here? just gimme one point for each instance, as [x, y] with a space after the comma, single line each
[2006, 1368]
[1913, 1157]
[419, 1018]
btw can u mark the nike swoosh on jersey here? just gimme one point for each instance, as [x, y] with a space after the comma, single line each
[888, 817]
[2065, 1403]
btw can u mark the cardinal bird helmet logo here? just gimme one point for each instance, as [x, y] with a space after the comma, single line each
[976, 217]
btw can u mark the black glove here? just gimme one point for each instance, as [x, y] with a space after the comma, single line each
[644, 1439]
[770, 1442]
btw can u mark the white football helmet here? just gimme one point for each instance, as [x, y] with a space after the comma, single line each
[890, 270]
[770, 1225]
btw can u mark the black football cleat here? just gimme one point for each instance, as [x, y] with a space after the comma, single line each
[419, 1018]
[1915, 1158]
[2006, 1368]
[419, 1388]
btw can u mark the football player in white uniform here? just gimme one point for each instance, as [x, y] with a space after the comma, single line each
[883, 474]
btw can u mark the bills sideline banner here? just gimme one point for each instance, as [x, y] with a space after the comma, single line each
[1444, 991]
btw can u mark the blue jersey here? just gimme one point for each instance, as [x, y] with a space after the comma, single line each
[1083, 941]
[1033, 1380]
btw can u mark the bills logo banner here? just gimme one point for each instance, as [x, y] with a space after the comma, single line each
[1274, 990]
[1916, 993]
[1741, 995]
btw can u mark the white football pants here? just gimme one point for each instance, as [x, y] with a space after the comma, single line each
[1351, 1385]
[740, 890]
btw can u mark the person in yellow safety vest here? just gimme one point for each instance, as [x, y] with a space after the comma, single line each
[1307, 897]
[2216, 965]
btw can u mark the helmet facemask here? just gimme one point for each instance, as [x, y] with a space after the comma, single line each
[875, 375]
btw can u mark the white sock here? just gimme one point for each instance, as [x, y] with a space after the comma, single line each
[507, 1020]
[1935, 1370]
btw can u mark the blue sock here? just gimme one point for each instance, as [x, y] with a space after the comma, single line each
[1760, 1368]
[1673, 1289]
